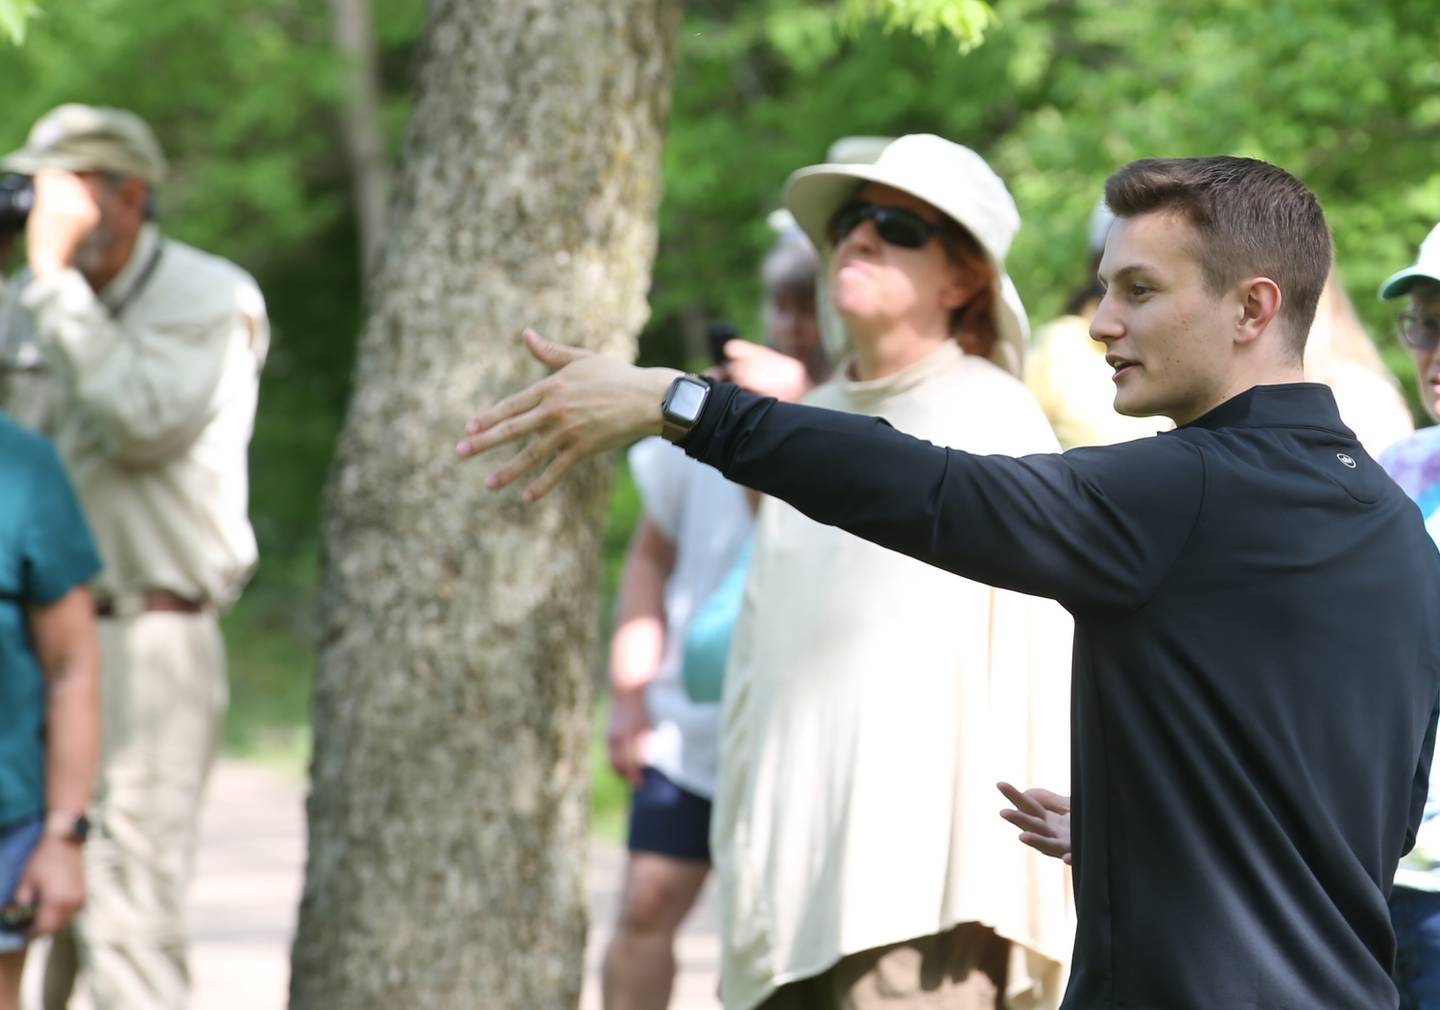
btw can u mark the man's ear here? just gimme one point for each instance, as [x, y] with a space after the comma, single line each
[1259, 301]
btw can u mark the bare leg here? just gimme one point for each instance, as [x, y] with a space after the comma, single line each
[640, 961]
[12, 963]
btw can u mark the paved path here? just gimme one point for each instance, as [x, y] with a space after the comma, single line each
[247, 887]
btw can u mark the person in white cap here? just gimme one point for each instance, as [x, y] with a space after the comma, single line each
[153, 349]
[1414, 463]
[870, 701]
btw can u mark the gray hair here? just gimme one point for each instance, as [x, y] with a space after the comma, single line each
[792, 264]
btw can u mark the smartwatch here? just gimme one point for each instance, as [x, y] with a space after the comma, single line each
[684, 402]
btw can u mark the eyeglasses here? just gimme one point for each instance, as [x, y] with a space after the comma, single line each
[902, 228]
[1420, 333]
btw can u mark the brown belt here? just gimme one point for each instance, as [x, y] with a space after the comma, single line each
[149, 601]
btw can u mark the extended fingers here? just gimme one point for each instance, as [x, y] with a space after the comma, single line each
[1046, 845]
[1051, 801]
[532, 456]
[1027, 823]
[1023, 801]
[558, 467]
[512, 417]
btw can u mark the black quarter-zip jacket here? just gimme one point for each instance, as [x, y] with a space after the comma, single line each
[1255, 675]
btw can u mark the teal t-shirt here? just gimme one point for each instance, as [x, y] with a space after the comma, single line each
[45, 552]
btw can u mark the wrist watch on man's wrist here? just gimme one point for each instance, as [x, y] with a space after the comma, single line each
[683, 404]
[70, 825]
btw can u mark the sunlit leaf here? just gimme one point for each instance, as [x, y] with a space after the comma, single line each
[14, 14]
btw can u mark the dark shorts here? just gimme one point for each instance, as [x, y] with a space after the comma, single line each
[17, 842]
[668, 820]
[1416, 915]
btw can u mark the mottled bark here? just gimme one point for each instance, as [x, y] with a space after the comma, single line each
[447, 814]
[360, 104]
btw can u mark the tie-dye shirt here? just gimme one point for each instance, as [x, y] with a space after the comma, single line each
[1414, 464]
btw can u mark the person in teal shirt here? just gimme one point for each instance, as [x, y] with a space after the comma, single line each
[49, 697]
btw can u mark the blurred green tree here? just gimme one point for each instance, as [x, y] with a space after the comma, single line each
[13, 17]
[1344, 93]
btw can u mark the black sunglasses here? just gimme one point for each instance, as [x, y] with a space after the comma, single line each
[898, 227]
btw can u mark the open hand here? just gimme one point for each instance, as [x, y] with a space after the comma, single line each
[1043, 818]
[590, 404]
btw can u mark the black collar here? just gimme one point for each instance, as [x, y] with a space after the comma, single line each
[1291, 405]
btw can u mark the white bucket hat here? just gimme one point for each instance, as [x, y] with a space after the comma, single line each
[1427, 267]
[952, 179]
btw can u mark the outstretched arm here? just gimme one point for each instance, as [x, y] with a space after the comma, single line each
[1096, 529]
[1043, 818]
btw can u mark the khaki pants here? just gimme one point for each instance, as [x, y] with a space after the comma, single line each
[163, 697]
[962, 969]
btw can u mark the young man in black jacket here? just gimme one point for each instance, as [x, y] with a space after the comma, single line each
[1256, 657]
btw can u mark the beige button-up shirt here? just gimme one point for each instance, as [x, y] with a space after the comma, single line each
[871, 704]
[152, 388]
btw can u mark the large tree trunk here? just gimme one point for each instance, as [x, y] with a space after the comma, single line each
[447, 817]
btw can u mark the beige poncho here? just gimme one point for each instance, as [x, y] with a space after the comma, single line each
[871, 703]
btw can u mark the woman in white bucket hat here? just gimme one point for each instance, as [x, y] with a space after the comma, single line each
[870, 701]
[977, 219]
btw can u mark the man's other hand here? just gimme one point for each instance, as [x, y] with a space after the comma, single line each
[589, 405]
[1043, 818]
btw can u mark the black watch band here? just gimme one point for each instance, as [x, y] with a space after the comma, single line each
[683, 404]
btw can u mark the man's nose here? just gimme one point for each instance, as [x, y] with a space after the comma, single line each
[1106, 324]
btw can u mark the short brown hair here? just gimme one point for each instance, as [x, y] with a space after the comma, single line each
[1252, 219]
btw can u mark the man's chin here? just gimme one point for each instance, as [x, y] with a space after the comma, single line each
[1133, 406]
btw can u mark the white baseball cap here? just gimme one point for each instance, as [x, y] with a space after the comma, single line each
[955, 181]
[1427, 267]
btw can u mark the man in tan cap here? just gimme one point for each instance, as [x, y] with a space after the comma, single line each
[147, 353]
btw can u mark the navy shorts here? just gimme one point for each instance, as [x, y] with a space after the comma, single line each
[17, 842]
[668, 820]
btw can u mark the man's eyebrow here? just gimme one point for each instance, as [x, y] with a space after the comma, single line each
[1129, 270]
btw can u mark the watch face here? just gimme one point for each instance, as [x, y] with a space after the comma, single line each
[685, 405]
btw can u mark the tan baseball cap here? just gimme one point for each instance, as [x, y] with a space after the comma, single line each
[88, 138]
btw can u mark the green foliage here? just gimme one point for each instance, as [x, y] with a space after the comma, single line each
[1344, 93]
[963, 20]
[13, 17]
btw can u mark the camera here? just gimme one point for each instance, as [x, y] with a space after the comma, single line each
[717, 335]
[17, 197]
